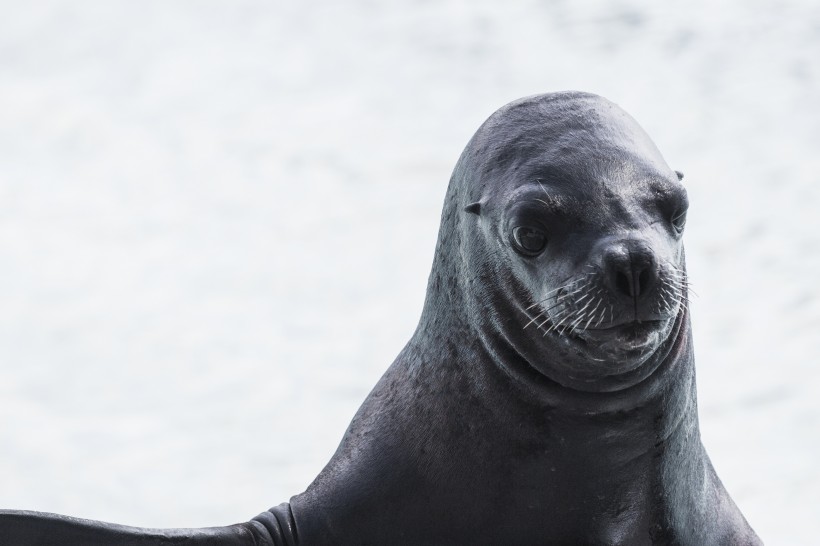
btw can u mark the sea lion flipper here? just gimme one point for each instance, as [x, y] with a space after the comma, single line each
[25, 528]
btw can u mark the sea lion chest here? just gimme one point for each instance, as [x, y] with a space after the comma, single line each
[462, 470]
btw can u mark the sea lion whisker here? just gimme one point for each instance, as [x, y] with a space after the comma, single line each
[673, 292]
[543, 312]
[559, 324]
[592, 313]
[689, 289]
[546, 320]
[548, 295]
[600, 320]
[681, 279]
[561, 314]
[572, 327]
[585, 306]
[558, 314]
[582, 298]
[679, 282]
[533, 319]
[667, 301]
[553, 291]
[591, 318]
[680, 301]
[551, 328]
[580, 288]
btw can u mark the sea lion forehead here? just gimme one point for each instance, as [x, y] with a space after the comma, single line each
[567, 128]
[566, 141]
[568, 112]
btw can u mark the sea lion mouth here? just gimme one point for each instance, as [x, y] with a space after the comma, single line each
[625, 340]
[634, 335]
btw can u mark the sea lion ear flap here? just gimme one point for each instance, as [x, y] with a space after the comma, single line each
[474, 208]
[680, 175]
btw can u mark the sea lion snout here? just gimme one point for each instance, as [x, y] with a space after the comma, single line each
[630, 268]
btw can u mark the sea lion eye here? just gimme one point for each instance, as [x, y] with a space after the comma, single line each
[679, 220]
[529, 240]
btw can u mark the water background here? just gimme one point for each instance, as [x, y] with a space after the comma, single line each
[217, 220]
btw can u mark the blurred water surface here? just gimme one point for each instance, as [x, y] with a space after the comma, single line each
[217, 221]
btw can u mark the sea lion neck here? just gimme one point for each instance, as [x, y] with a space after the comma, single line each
[610, 432]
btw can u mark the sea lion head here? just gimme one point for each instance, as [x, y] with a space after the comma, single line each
[561, 242]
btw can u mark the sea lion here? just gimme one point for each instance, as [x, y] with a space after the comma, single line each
[548, 393]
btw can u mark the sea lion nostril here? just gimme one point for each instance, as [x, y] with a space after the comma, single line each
[631, 270]
[623, 283]
[642, 285]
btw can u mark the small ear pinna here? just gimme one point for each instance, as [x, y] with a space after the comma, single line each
[474, 208]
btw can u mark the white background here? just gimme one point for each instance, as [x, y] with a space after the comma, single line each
[217, 221]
